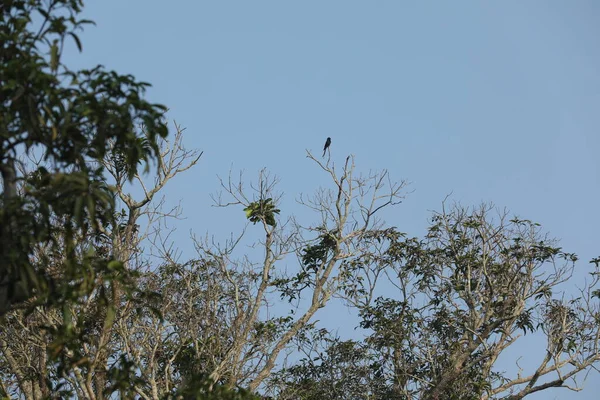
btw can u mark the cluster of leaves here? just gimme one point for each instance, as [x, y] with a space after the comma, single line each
[262, 210]
[124, 379]
[201, 387]
[314, 257]
[344, 370]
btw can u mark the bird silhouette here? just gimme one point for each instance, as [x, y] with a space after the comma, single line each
[327, 144]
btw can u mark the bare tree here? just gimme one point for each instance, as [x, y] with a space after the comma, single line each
[219, 318]
[347, 213]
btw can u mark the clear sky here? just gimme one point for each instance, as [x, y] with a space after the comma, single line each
[490, 101]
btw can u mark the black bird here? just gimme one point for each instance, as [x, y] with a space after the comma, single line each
[327, 144]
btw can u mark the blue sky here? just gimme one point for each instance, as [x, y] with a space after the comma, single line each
[489, 101]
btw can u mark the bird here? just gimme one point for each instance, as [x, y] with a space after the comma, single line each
[327, 144]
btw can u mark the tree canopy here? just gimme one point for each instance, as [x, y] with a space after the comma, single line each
[96, 301]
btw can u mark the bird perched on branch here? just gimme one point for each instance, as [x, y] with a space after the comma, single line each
[327, 144]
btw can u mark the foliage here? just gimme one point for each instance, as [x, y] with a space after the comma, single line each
[262, 210]
[344, 370]
[96, 301]
[465, 293]
[71, 120]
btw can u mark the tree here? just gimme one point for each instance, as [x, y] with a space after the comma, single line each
[343, 369]
[70, 120]
[66, 253]
[96, 302]
[98, 361]
[209, 323]
[466, 293]
[217, 315]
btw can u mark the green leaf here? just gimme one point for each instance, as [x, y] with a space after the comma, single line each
[67, 317]
[114, 265]
[54, 56]
[110, 317]
[77, 41]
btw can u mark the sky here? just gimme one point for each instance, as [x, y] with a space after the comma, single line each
[483, 101]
